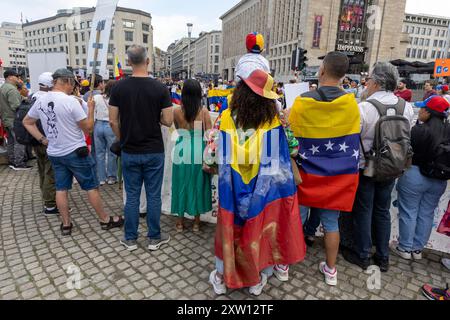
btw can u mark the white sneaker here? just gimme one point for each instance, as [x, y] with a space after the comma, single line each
[257, 290]
[330, 279]
[102, 183]
[219, 286]
[401, 253]
[417, 255]
[281, 272]
[446, 263]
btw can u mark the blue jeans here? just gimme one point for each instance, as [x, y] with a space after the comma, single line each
[371, 211]
[418, 198]
[147, 169]
[310, 223]
[103, 139]
[328, 218]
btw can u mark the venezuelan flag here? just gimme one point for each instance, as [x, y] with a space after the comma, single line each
[219, 98]
[329, 136]
[259, 222]
[176, 97]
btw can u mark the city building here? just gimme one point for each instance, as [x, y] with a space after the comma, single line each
[428, 36]
[160, 67]
[363, 29]
[208, 53]
[178, 54]
[69, 31]
[12, 47]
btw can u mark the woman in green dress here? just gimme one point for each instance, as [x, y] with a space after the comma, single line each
[191, 186]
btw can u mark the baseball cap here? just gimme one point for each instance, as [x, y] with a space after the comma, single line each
[255, 42]
[261, 83]
[442, 87]
[46, 80]
[10, 73]
[435, 103]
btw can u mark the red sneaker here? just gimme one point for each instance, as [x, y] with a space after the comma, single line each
[436, 293]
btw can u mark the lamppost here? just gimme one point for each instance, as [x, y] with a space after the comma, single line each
[190, 27]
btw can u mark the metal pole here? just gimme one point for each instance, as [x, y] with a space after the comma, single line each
[189, 57]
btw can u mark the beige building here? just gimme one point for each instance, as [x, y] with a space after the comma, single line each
[427, 37]
[69, 31]
[160, 67]
[363, 29]
[12, 46]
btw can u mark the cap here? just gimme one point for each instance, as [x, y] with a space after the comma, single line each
[85, 83]
[63, 73]
[10, 73]
[435, 103]
[442, 87]
[255, 42]
[261, 83]
[46, 80]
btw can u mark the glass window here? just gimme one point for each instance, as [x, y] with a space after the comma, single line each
[217, 49]
[421, 42]
[128, 24]
[419, 53]
[61, 49]
[437, 33]
[128, 35]
[433, 54]
[145, 27]
[76, 37]
[111, 48]
[413, 54]
[429, 31]
[77, 62]
[416, 41]
[145, 38]
[81, 25]
[424, 30]
[435, 43]
[408, 52]
[77, 50]
[83, 39]
[84, 62]
[441, 43]
[83, 48]
[60, 38]
[417, 30]
[53, 29]
[425, 54]
[427, 42]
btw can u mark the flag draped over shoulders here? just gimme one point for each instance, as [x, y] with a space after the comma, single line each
[259, 221]
[329, 138]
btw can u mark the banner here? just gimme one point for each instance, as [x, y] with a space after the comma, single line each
[442, 68]
[317, 31]
[104, 14]
[41, 62]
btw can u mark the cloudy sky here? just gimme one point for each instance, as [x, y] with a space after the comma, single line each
[170, 16]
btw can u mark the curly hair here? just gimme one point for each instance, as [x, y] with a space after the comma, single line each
[252, 110]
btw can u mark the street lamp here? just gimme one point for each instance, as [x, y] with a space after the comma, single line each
[190, 27]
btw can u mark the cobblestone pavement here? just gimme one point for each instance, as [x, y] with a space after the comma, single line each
[35, 260]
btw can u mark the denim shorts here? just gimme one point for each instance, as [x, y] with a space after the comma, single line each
[328, 218]
[72, 165]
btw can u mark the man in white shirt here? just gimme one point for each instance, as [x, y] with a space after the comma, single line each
[373, 199]
[65, 123]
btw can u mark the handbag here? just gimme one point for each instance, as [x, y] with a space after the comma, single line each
[444, 226]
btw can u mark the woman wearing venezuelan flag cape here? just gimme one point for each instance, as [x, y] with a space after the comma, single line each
[259, 231]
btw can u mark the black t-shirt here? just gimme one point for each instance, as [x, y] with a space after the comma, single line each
[140, 102]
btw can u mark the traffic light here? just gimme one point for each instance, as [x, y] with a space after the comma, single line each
[298, 60]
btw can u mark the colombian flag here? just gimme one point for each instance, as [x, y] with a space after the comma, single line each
[219, 98]
[259, 222]
[118, 72]
[329, 136]
[176, 97]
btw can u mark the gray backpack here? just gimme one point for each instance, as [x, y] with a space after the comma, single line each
[391, 154]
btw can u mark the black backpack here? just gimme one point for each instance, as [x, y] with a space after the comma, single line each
[439, 165]
[22, 135]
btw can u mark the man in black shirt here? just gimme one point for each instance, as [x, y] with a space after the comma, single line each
[138, 107]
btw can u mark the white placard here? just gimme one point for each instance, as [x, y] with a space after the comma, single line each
[41, 62]
[292, 91]
[104, 12]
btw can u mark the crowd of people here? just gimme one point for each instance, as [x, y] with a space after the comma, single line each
[333, 159]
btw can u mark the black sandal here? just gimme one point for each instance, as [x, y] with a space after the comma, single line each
[112, 224]
[66, 231]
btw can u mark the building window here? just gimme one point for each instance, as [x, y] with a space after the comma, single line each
[77, 50]
[77, 62]
[84, 62]
[83, 39]
[427, 42]
[81, 25]
[61, 49]
[65, 37]
[144, 38]
[145, 27]
[217, 49]
[435, 43]
[421, 42]
[83, 48]
[429, 31]
[425, 54]
[54, 40]
[110, 62]
[128, 24]
[53, 29]
[89, 24]
[442, 33]
[60, 27]
[76, 37]
[216, 59]
[126, 48]
[60, 38]
[413, 54]
[437, 33]
[433, 54]
[128, 36]
[441, 43]
[408, 52]
[416, 41]
[111, 48]
[419, 53]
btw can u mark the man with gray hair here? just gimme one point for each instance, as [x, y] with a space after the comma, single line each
[373, 199]
[138, 107]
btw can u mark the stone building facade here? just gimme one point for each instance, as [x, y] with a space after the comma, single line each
[363, 29]
[12, 47]
[69, 31]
